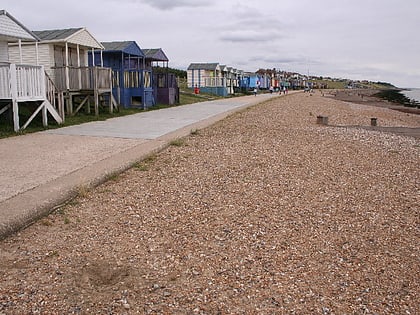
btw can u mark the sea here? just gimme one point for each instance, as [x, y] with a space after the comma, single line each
[413, 94]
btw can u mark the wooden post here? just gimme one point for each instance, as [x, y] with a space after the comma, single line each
[44, 116]
[322, 120]
[95, 90]
[111, 105]
[374, 122]
[67, 67]
[44, 95]
[79, 70]
[13, 92]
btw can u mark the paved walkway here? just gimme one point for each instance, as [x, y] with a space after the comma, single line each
[42, 170]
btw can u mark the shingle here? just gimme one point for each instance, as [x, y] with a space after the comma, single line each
[56, 34]
[203, 66]
[155, 54]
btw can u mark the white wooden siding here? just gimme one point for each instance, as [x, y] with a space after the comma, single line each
[10, 28]
[4, 55]
[84, 38]
[29, 55]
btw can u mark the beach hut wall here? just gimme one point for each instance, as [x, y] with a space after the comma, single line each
[23, 85]
[131, 81]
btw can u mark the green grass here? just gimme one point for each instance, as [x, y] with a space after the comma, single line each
[6, 127]
[144, 165]
[112, 176]
[177, 142]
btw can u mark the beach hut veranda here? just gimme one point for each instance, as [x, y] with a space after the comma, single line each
[207, 77]
[22, 84]
[64, 55]
[165, 84]
[131, 81]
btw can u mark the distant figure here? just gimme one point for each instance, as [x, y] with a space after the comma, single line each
[271, 89]
[255, 91]
[284, 90]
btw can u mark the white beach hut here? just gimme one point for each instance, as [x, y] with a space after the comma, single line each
[64, 55]
[22, 85]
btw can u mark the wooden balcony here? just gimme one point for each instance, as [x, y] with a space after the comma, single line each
[80, 84]
[82, 78]
[24, 83]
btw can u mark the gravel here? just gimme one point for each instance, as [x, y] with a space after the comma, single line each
[265, 212]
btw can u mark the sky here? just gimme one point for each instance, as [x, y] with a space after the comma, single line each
[375, 40]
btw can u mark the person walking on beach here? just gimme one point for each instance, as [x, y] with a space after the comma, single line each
[255, 91]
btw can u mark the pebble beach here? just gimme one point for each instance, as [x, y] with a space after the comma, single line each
[265, 212]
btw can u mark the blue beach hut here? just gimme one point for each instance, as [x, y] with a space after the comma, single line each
[131, 81]
[165, 84]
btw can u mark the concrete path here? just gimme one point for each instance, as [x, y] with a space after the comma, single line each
[42, 170]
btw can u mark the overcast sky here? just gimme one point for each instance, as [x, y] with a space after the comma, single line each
[377, 40]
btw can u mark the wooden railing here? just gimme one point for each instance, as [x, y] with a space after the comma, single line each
[82, 78]
[165, 80]
[54, 96]
[214, 81]
[22, 82]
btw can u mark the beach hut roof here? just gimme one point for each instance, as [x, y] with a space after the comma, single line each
[203, 66]
[78, 36]
[12, 30]
[155, 54]
[127, 47]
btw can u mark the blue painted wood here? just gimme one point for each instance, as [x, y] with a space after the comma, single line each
[126, 59]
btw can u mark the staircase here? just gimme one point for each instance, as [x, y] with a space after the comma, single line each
[29, 86]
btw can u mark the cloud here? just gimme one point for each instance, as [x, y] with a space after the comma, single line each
[332, 39]
[173, 4]
[244, 37]
[250, 36]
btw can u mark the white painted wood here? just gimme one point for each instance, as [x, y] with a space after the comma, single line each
[5, 82]
[67, 67]
[29, 55]
[11, 28]
[20, 51]
[13, 92]
[37, 53]
[85, 39]
[4, 52]
[4, 109]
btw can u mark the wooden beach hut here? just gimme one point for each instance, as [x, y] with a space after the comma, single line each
[165, 84]
[64, 55]
[131, 81]
[230, 75]
[23, 85]
[207, 77]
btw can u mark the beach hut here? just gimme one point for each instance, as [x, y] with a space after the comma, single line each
[23, 85]
[229, 75]
[64, 55]
[254, 80]
[131, 82]
[207, 77]
[165, 84]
